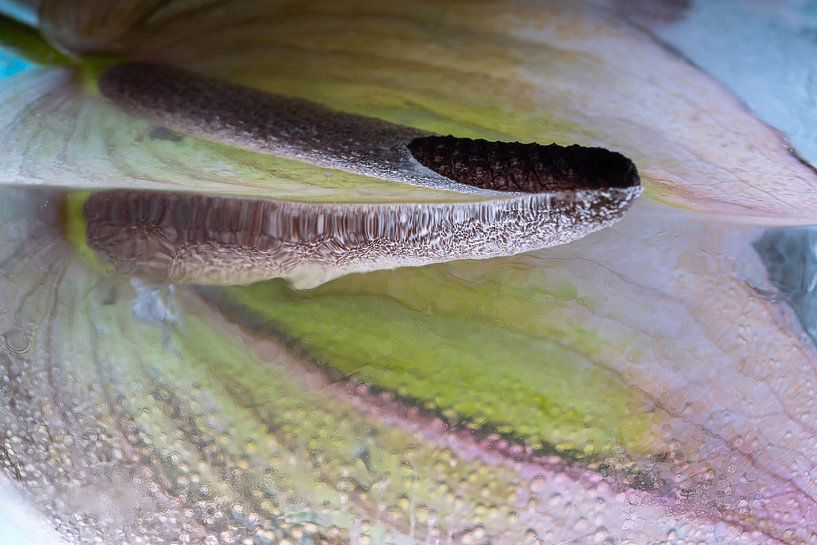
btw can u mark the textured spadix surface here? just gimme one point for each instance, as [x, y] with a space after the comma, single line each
[177, 237]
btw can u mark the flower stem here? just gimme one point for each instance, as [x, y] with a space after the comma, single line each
[26, 42]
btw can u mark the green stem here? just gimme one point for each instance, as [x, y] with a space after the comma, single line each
[26, 42]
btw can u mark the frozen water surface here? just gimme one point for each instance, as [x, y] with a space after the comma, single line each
[11, 64]
[216, 331]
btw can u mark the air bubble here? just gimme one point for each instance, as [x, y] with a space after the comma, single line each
[17, 341]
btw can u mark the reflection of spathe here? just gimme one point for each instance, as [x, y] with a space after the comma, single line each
[187, 238]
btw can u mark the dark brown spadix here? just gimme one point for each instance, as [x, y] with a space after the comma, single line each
[525, 168]
[296, 128]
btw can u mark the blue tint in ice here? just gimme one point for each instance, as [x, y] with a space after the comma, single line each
[11, 64]
[790, 256]
[19, 10]
[765, 52]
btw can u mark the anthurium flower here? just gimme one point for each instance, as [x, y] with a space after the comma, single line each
[646, 383]
[518, 75]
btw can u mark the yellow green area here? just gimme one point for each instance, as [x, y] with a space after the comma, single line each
[476, 355]
[409, 64]
[76, 230]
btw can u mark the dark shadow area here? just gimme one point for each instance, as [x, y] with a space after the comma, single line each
[528, 168]
[790, 256]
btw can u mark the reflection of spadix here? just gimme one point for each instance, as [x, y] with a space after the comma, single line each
[188, 238]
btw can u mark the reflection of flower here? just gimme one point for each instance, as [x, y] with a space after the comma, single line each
[634, 386]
